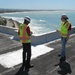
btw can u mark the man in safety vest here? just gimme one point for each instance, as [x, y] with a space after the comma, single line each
[25, 35]
[65, 33]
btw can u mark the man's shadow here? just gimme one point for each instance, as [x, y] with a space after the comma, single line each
[22, 71]
[65, 68]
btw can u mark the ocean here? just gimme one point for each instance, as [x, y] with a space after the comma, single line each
[42, 21]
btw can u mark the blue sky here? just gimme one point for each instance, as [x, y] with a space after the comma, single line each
[38, 4]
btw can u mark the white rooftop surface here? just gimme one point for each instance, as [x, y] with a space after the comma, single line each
[14, 58]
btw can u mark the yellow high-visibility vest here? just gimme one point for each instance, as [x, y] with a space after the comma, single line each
[64, 29]
[24, 37]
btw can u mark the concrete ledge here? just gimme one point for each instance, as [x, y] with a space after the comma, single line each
[7, 30]
[36, 39]
[47, 37]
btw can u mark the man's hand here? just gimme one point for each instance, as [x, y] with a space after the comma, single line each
[57, 31]
[31, 32]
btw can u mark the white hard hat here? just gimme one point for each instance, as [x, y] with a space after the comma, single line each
[64, 16]
[27, 18]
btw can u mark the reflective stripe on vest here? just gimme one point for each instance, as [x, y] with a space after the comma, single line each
[64, 29]
[24, 37]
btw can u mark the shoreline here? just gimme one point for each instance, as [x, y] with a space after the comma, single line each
[2, 11]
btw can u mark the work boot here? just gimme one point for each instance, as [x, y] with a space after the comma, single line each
[59, 55]
[62, 59]
[29, 66]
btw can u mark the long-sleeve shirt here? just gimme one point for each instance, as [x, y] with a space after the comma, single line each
[69, 29]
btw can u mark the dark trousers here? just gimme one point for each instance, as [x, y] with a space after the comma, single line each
[26, 54]
[63, 51]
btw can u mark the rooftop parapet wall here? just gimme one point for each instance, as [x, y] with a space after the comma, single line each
[7, 30]
[47, 37]
[36, 39]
